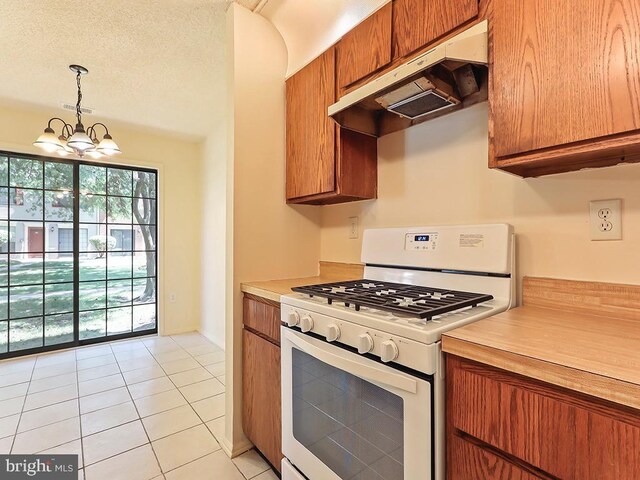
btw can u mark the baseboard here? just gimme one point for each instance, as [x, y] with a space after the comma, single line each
[233, 451]
[210, 337]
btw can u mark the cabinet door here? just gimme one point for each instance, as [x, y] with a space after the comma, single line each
[467, 461]
[419, 22]
[365, 49]
[563, 72]
[310, 130]
[261, 411]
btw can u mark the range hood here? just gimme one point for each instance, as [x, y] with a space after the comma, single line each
[448, 77]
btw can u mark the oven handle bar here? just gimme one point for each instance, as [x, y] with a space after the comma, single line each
[395, 380]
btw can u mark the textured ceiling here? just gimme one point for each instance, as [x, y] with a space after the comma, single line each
[155, 63]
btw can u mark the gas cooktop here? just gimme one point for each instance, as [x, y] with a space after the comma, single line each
[403, 299]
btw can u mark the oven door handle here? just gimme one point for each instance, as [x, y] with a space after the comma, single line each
[358, 369]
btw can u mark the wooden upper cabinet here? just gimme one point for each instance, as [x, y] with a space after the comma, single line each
[419, 22]
[325, 164]
[365, 49]
[565, 83]
[310, 130]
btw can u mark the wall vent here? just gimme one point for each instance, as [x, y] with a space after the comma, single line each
[72, 107]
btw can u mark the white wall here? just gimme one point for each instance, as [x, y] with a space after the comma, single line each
[436, 173]
[270, 238]
[179, 210]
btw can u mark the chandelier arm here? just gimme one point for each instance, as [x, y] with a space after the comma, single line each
[66, 125]
[93, 128]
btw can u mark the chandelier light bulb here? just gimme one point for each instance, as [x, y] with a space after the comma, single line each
[48, 141]
[108, 147]
[80, 141]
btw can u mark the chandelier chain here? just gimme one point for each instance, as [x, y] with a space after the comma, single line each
[78, 111]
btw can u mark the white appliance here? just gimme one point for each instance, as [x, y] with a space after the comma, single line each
[362, 367]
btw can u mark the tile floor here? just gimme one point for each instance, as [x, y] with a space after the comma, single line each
[147, 408]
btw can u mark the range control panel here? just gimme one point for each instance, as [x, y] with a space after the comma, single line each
[420, 241]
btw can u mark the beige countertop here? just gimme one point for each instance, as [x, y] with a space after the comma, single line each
[577, 335]
[329, 272]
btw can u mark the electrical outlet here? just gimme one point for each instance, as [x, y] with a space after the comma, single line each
[172, 298]
[605, 219]
[353, 227]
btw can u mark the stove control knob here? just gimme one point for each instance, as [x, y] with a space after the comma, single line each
[333, 333]
[294, 319]
[365, 343]
[389, 351]
[306, 323]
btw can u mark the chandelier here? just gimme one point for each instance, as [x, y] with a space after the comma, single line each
[77, 140]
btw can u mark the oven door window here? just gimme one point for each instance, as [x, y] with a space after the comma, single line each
[353, 426]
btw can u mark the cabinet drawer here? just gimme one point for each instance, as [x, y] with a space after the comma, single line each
[563, 433]
[467, 461]
[261, 415]
[263, 316]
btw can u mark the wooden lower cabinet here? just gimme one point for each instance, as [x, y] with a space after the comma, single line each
[261, 411]
[503, 425]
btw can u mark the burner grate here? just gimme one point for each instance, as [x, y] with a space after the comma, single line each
[423, 302]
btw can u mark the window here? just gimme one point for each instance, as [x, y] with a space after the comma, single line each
[73, 273]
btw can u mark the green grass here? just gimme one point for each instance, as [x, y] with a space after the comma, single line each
[100, 287]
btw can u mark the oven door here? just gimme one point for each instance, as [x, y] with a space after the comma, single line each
[345, 416]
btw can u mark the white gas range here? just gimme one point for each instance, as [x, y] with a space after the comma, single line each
[362, 370]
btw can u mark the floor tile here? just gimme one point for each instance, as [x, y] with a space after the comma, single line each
[127, 345]
[143, 374]
[210, 358]
[13, 391]
[49, 397]
[53, 370]
[151, 387]
[215, 465]
[94, 351]
[160, 402]
[8, 425]
[200, 390]
[210, 408]
[171, 421]
[216, 369]
[5, 445]
[71, 448]
[221, 379]
[96, 361]
[106, 418]
[190, 376]
[268, 475]
[11, 406]
[203, 349]
[216, 427]
[49, 383]
[55, 358]
[111, 442]
[15, 377]
[104, 399]
[17, 365]
[164, 348]
[251, 464]
[171, 356]
[137, 464]
[46, 437]
[98, 372]
[137, 363]
[100, 385]
[181, 365]
[184, 447]
[48, 415]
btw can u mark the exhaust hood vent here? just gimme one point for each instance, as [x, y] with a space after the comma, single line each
[450, 76]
